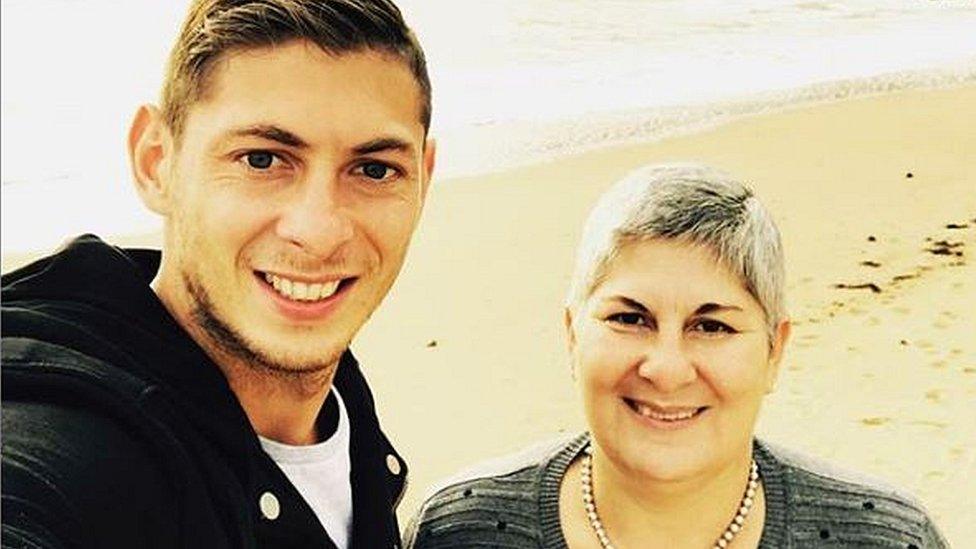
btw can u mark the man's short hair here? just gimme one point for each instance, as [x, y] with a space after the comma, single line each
[215, 27]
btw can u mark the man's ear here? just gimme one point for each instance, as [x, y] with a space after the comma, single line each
[430, 156]
[780, 338]
[150, 150]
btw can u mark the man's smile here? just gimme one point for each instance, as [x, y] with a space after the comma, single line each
[304, 298]
[299, 290]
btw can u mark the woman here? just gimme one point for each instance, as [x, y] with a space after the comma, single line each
[676, 325]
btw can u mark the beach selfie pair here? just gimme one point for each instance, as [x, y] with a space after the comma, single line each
[205, 395]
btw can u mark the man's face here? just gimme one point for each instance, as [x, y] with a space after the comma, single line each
[290, 201]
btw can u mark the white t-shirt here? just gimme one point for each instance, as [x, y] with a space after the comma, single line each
[320, 472]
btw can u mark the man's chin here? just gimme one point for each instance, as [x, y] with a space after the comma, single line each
[286, 362]
[262, 348]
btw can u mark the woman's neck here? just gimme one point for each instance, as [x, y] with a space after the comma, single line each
[638, 511]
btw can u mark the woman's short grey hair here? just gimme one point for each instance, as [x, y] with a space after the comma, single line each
[691, 203]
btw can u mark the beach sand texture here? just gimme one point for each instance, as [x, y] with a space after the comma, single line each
[467, 356]
[876, 200]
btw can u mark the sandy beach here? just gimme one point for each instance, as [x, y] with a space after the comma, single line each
[876, 200]
[467, 356]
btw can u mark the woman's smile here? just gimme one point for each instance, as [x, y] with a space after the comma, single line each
[665, 417]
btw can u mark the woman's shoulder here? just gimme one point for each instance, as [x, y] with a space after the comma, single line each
[824, 501]
[495, 501]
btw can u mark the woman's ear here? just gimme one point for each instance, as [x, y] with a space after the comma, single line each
[570, 330]
[150, 151]
[780, 338]
[570, 340]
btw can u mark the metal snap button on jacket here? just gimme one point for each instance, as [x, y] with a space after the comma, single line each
[393, 464]
[270, 507]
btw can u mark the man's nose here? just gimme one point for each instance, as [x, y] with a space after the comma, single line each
[315, 218]
[667, 364]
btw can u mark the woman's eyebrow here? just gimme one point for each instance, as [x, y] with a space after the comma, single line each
[706, 308]
[631, 303]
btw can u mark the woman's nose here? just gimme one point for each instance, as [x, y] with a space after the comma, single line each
[666, 363]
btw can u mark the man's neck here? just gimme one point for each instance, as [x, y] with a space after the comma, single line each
[283, 409]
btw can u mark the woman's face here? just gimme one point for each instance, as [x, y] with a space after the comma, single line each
[672, 359]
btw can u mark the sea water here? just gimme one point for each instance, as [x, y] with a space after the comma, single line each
[515, 81]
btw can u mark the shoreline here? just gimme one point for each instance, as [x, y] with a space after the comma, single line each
[523, 143]
[489, 148]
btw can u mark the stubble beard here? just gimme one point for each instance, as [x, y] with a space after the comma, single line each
[235, 346]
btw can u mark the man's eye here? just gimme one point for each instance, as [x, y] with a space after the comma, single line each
[708, 326]
[259, 160]
[629, 319]
[376, 170]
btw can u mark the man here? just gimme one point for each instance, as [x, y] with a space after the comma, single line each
[205, 396]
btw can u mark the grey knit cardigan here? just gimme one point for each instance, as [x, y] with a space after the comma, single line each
[514, 502]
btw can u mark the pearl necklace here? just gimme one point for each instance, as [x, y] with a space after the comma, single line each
[589, 504]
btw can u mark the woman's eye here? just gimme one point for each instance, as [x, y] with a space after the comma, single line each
[260, 160]
[629, 319]
[376, 170]
[708, 326]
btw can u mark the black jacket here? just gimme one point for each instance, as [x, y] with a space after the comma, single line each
[118, 431]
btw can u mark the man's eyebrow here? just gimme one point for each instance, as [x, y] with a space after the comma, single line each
[706, 308]
[271, 133]
[383, 144]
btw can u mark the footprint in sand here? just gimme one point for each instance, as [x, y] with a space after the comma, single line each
[875, 289]
[946, 247]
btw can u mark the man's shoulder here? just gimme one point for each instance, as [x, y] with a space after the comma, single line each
[34, 369]
[73, 472]
[851, 506]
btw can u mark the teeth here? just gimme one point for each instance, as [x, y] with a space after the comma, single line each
[300, 291]
[646, 411]
[314, 290]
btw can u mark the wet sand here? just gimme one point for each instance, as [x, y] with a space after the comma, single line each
[876, 199]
